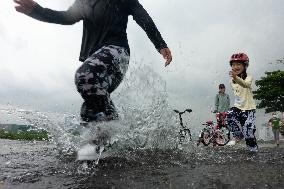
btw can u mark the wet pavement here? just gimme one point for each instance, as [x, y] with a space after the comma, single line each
[38, 165]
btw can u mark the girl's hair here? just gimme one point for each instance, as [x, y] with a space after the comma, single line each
[222, 86]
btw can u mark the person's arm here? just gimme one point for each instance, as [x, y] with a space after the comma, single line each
[31, 8]
[279, 122]
[228, 101]
[144, 20]
[244, 83]
[269, 124]
[216, 103]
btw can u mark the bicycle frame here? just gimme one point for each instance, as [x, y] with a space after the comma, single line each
[183, 129]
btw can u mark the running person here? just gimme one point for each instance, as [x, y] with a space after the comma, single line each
[243, 111]
[275, 123]
[104, 51]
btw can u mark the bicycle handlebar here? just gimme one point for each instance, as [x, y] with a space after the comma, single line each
[187, 110]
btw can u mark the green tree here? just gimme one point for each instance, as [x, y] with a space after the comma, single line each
[270, 91]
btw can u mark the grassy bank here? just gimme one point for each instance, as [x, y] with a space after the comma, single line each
[24, 135]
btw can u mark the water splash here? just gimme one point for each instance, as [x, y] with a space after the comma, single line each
[146, 119]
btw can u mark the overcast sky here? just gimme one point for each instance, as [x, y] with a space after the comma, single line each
[38, 60]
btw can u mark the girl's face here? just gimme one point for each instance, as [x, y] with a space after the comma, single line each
[238, 67]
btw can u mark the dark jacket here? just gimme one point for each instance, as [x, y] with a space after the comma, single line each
[104, 21]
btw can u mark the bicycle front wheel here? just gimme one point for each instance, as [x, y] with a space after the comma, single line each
[205, 137]
[222, 136]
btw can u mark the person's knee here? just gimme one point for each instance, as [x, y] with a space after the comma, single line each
[237, 134]
[90, 109]
[84, 78]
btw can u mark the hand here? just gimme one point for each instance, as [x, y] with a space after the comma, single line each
[233, 74]
[25, 6]
[167, 55]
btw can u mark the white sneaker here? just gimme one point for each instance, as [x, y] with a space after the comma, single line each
[253, 149]
[88, 152]
[231, 143]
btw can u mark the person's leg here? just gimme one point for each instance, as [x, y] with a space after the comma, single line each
[116, 73]
[100, 75]
[249, 129]
[233, 122]
[276, 136]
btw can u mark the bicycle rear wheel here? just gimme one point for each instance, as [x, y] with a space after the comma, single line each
[222, 136]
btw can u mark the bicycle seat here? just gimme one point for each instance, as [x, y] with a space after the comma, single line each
[209, 122]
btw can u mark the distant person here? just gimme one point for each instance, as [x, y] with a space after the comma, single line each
[222, 100]
[275, 122]
[104, 51]
[282, 125]
[243, 110]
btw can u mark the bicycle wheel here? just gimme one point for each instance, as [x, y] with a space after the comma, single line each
[205, 137]
[222, 136]
[188, 133]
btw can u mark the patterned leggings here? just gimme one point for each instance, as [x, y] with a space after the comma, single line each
[245, 119]
[98, 77]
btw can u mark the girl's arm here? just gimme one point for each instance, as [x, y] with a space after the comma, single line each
[244, 83]
[34, 10]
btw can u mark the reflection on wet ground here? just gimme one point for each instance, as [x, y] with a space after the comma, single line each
[34, 165]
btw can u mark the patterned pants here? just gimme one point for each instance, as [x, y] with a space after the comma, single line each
[98, 77]
[242, 125]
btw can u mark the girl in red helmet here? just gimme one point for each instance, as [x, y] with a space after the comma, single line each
[241, 117]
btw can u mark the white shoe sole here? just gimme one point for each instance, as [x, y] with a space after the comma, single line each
[231, 143]
[88, 152]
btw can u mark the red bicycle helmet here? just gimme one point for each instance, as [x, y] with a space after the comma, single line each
[240, 57]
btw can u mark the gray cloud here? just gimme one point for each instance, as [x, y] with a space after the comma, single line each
[42, 58]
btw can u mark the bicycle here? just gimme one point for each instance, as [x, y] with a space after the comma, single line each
[218, 134]
[184, 130]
